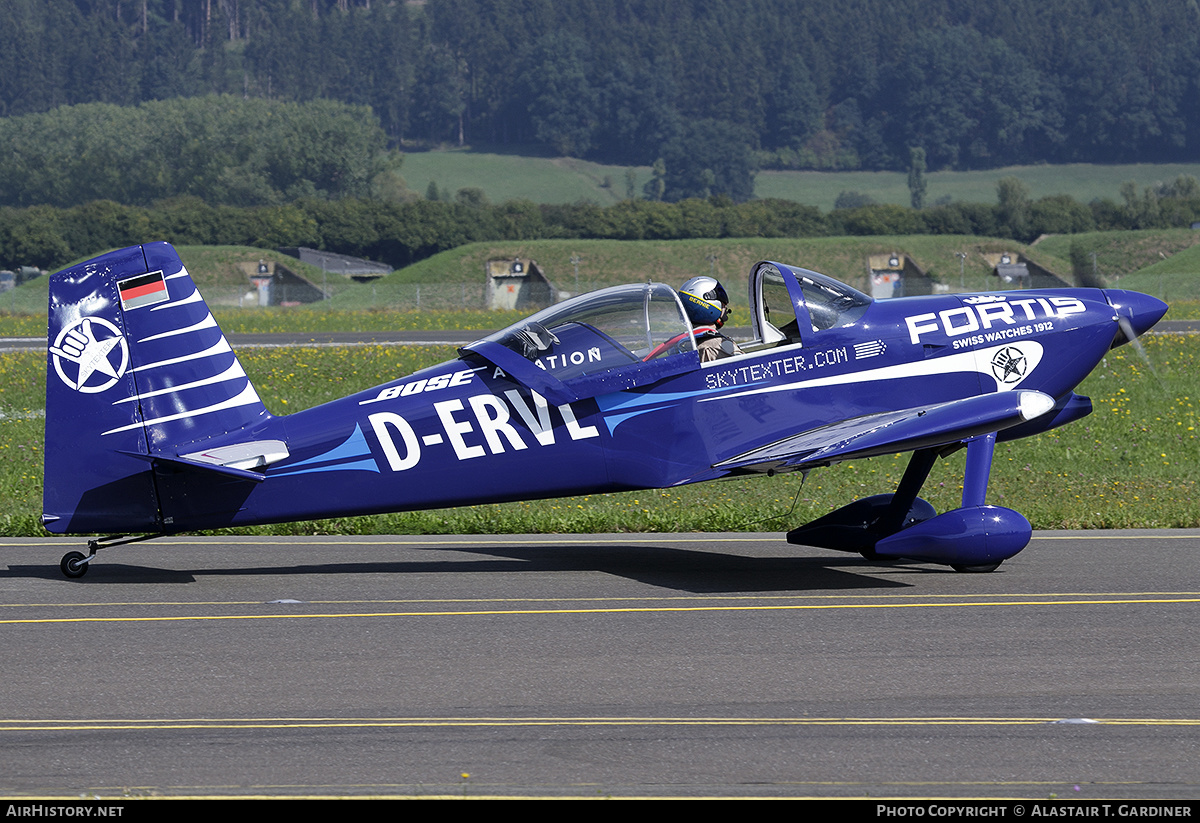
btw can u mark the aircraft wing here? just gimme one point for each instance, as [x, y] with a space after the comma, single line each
[894, 431]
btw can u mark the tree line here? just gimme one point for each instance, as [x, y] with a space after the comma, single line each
[403, 233]
[771, 83]
[222, 149]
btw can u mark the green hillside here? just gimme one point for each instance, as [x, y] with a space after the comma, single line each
[512, 177]
[435, 292]
[609, 262]
[216, 269]
[566, 180]
[1165, 264]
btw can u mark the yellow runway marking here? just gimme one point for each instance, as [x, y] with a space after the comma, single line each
[612, 610]
[967, 597]
[13, 725]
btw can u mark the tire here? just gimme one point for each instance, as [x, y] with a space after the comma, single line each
[74, 564]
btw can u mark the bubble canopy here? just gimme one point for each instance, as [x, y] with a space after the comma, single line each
[607, 340]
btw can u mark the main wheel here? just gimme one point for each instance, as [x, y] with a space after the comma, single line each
[74, 564]
[982, 568]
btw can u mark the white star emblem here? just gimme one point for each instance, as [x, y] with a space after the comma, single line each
[90, 348]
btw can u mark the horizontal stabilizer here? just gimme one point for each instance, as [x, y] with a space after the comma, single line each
[254, 455]
[238, 460]
[891, 432]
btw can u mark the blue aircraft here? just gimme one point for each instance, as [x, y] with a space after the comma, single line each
[153, 428]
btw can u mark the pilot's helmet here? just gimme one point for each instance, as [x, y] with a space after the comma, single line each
[705, 301]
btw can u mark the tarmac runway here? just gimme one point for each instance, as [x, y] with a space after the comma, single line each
[681, 665]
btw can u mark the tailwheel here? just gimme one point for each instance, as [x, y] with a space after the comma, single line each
[74, 564]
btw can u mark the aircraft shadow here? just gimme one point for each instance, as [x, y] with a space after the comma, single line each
[699, 572]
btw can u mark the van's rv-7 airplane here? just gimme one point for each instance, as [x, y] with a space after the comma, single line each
[153, 428]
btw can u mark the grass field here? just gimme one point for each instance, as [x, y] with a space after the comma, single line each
[1135, 462]
[1081, 181]
[512, 177]
[565, 180]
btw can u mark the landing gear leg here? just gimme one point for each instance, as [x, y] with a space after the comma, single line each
[905, 508]
[75, 564]
[975, 479]
[975, 537]
[914, 478]
[858, 526]
[979, 468]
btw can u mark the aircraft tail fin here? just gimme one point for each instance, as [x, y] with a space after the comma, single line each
[141, 384]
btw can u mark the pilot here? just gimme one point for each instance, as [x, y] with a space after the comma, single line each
[707, 306]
